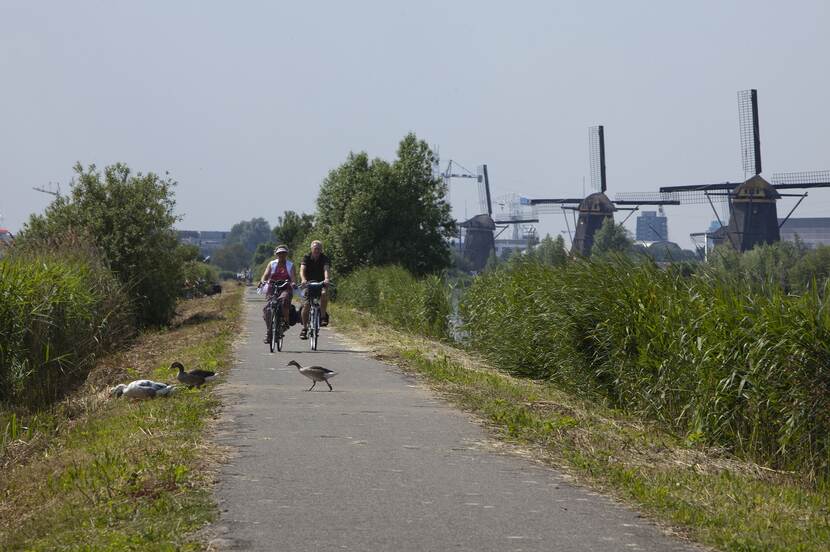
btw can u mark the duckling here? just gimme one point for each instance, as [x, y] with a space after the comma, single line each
[194, 377]
[142, 389]
[315, 374]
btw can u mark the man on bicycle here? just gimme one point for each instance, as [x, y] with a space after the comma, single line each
[279, 269]
[314, 268]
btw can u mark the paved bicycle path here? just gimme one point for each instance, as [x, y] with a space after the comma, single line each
[381, 464]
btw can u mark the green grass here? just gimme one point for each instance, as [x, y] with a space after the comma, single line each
[126, 475]
[706, 494]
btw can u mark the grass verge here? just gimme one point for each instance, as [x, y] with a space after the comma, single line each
[702, 494]
[111, 474]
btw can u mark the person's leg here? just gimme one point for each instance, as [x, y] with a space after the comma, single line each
[324, 301]
[304, 316]
[285, 298]
[266, 316]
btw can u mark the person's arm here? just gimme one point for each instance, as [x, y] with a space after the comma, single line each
[266, 274]
[302, 272]
[326, 273]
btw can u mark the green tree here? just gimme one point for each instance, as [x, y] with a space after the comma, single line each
[249, 234]
[376, 213]
[264, 252]
[814, 265]
[130, 217]
[611, 238]
[292, 230]
[552, 251]
[232, 256]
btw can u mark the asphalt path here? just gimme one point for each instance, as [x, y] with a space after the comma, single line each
[383, 464]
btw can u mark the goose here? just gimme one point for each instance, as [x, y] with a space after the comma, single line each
[194, 377]
[142, 389]
[315, 374]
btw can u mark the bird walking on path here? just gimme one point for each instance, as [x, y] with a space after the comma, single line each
[315, 374]
[142, 389]
[193, 378]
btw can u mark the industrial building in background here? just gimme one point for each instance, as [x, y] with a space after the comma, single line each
[652, 226]
[811, 231]
[208, 241]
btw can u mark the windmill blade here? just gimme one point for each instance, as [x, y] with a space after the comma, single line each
[484, 202]
[549, 206]
[645, 198]
[535, 202]
[750, 131]
[516, 221]
[804, 179]
[596, 149]
[699, 194]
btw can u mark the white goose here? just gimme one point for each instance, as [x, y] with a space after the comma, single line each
[142, 389]
[315, 374]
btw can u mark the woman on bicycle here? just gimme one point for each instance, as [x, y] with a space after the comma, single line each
[278, 270]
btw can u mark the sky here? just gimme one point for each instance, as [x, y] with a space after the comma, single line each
[249, 105]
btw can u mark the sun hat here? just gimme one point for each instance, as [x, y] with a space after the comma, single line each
[281, 249]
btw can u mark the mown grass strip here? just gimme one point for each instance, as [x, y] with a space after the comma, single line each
[709, 497]
[128, 475]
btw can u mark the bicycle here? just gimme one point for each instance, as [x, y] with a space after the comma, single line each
[276, 326]
[313, 290]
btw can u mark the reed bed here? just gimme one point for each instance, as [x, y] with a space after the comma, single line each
[392, 294]
[58, 312]
[715, 360]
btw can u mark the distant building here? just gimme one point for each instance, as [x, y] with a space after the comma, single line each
[514, 245]
[207, 241]
[812, 231]
[652, 226]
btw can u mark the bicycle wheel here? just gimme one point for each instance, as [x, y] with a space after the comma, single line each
[314, 327]
[274, 328]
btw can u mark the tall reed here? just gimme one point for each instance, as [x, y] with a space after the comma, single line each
[717, 360]
[58, 311]
[395, 296]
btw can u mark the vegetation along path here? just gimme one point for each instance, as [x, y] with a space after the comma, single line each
[381, 463]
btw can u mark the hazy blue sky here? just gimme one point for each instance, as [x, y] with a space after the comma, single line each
[250, 104]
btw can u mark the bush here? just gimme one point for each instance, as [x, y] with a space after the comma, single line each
[705, 354]
[130, 219]
[59, 312]
[395, 296]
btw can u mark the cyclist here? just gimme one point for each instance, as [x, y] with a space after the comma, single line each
[279, 269]
[315, 268]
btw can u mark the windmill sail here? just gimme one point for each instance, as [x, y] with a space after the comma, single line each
[750, 131]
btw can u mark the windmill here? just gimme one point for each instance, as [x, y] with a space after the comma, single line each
[594, 209]
[479, 238]
[753, 214]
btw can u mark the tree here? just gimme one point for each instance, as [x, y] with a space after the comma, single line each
[130, 217]
[611, 238]
[249, 234]
[376, 213]
[264, 251]
[292, 230]
[232, 256]
[552, 251]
